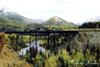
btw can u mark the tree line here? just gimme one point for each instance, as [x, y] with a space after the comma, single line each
[90, 25]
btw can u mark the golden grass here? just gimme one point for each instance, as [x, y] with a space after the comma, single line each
[9, 58]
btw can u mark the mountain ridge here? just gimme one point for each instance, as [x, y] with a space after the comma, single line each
[17, 22]
[55, 20]
[15, 16]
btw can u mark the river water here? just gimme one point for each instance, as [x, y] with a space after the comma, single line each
[33, 44]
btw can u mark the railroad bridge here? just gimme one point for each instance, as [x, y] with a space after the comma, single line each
[51, 35]
[47, 34]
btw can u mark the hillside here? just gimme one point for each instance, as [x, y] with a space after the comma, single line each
[15, 16]
[9, 58]
[59, 22]
[90, 25]
[11, 21]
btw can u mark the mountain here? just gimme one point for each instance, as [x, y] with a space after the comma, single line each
[17, 17]
[95, 19]
[13, 16]
[58, 22]
[11, 21]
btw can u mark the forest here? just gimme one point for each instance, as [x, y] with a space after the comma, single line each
[61, 50]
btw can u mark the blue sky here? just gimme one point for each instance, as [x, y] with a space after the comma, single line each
[71, 10]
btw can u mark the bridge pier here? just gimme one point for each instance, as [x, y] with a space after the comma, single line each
[36, 39]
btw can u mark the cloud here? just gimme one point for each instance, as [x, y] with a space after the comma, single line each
[71, 10]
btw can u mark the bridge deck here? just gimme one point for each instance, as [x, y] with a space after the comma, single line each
[84, 30]
[65, 31]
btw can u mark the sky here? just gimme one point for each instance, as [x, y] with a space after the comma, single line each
[77, 11]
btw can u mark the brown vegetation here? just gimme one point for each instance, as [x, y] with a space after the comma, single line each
[9, 58]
